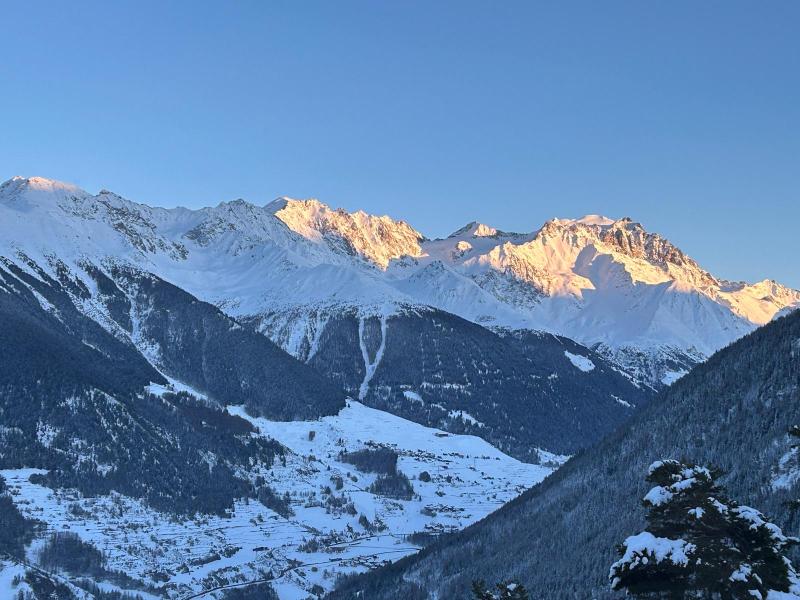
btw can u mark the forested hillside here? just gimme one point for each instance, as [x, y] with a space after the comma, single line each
[559, 538]
[519, 391]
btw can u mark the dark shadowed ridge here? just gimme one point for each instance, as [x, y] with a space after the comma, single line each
[559, 538]
[74, 397]
[518, 391]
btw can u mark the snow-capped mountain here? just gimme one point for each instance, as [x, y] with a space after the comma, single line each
[614, 286]
[606, 283]
[378, 240]
[131, 269]
[153, 447]
[140, 396]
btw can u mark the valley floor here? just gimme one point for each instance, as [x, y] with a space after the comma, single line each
[338, 525]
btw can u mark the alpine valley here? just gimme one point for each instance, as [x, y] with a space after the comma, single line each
[255, 401]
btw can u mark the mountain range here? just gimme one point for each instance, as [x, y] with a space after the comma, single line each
[294, 393]
[288, 266]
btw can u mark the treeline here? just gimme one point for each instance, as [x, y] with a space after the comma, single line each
[390, 482]
[372, 460]
[65, 551]
[16, 532]
[159, 451]
[261, 591]
[395, 485]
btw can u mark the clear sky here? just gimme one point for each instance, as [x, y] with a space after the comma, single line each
[683, 115]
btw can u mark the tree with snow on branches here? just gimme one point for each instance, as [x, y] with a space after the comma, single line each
[700, 544]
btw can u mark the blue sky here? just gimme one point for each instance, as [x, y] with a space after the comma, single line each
[682, 115]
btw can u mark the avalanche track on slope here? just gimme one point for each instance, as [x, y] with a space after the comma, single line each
[370, 365]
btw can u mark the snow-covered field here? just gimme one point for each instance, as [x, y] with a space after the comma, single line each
[338, 525]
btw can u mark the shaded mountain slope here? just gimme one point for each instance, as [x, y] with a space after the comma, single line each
[130, 328]
[558, 538]
[201, 346]
[73, 403]
[518, 391]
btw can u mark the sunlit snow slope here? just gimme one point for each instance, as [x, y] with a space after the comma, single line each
[606, 283]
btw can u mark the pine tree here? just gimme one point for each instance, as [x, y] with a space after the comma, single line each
[506, 590]
[700, 544]
[479, 591]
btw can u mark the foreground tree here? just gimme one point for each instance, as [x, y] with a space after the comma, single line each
[700, 544]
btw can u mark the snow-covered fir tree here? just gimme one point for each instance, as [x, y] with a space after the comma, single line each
[700, 544]
[505, 590]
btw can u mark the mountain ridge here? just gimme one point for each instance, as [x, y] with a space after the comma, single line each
[145, 275]
[608, 284]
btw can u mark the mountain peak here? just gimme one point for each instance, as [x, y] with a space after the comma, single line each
[286, 202]
[475, 229]
[27, 192]
[592, 221]
[376, 239]
[596, 220]
[233, 204]
[39, 184]
[278, 204]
